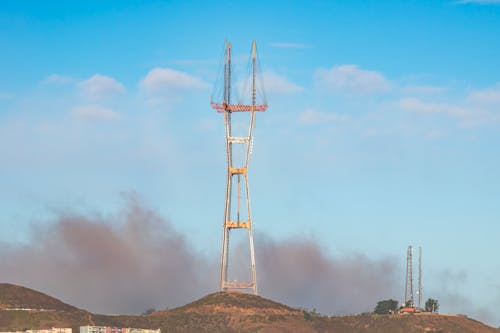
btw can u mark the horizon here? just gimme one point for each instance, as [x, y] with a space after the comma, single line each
[381, 132]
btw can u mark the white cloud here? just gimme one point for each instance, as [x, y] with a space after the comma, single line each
[291, 45]
[269, 83]
[417, 105]
[161, 101]
[311, 116]
[480, 107]
[352, 79]
[99, 87]
[94, 112]
[425, 89]
[485, 96]
[468, 115]
[166, 79]
[57, 79]
[277, 84]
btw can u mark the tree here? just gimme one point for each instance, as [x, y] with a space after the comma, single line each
[386, 306]
[431, 305]
[409, 304]
[148, 312]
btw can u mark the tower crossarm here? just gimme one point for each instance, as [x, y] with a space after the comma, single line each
[236, 171]
[237, 225]
[238, 285]
[223, 107]
[240, 140]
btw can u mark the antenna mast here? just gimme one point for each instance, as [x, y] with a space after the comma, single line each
[409, 300]
[234, 219]
[420, 277]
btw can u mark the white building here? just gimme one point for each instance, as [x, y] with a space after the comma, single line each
[140, 330]
[108, 329]
[93, 329]
[51, 330]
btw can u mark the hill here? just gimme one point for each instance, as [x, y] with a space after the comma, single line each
[23, 308]
[221, 312]
[238, 312]
[413, 323]
[234, 302]
[17, 297]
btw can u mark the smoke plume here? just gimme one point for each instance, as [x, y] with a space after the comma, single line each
[124, 264]
[300, 273]
[451, 298]
[135, 260]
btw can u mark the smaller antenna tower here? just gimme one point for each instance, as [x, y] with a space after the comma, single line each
[409, 300]
[419, 277]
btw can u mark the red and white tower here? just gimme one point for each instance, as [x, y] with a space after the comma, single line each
[237, 212]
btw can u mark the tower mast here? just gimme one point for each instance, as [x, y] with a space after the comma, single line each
[233, 218]
[420, 277]
[227, 122]
[409, 301]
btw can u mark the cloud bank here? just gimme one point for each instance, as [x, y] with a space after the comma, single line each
[57, 79]
[94, 112]
[311, 116]
[485, 96]
[352, 79]
[100, 87]
[166, 79]
[276, 84]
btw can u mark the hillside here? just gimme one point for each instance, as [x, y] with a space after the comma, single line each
[222, 312]
[38, 310]
[237, 312]
[17, 297]
[231, 302]
[429, 323]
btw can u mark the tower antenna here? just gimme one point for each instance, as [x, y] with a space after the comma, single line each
[420, 277]
[409, 300]
[234, 215]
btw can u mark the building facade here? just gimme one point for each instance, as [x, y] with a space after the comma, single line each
[51, 330]
[109, 329]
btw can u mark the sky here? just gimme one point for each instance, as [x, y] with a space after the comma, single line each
[382, 130]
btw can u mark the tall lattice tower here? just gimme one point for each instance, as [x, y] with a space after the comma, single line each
[420, 277]
[409, 300]
[237, 213]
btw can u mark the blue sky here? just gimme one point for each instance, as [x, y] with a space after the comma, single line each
[382, 130]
